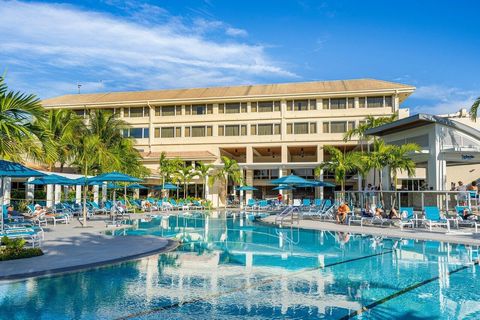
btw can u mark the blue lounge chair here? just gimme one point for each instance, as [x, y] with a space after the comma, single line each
[461, 222]
[433, 217]
[306, 203]
[407, 217]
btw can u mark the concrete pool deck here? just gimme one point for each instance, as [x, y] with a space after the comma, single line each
[71, 248]
[466, 237]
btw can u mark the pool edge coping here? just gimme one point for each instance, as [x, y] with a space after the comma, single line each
[170, 246]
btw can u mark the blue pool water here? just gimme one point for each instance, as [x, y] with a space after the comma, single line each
[229, 267]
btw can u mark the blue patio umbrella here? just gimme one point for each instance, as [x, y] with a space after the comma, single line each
[290, 180]
[14, 170]
[167, 186]
[86, 182]
[114, 186]
[284, 187]
[136, 186]
[51, 179]
[316, 183]
[246, 188]
[114, 177]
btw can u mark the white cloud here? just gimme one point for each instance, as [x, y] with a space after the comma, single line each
[235, 32]
[439, 99]
[64, 42]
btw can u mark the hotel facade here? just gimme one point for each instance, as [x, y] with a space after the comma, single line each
[271, 130]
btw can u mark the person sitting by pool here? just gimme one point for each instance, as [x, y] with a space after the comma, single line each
[393, 214]
[378, 212]
[14, 214]
[37, 212]
[280, 198]
[342, 212]
[468, 215]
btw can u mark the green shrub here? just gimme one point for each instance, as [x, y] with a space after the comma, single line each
[15, 249]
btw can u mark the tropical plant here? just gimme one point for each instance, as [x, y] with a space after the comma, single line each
[230, 171]
[370, 122]
[340, 163]
[185, 175]
[203, 170]
[21, 130]
[64, 127]
[398, 160]
[474, 109]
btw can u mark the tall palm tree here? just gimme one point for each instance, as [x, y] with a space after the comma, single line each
[340, 163]
[474, 109]
[203, 170]
[229, 172]
[398, 159]
[21, 130]
[64, 127]
[185, 175]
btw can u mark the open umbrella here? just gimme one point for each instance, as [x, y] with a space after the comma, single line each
[136, 186]
[246, 188]
[166, 186]
[284, 187]
[112, 185]
[14, 170]
[316, 183]
[290, 180]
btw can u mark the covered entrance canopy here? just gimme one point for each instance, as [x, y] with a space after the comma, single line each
[443, 142]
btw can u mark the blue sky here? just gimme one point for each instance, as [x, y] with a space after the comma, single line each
[49, 47]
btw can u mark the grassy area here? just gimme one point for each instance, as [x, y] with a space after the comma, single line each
[11, 249]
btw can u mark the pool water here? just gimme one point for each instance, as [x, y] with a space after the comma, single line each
[229, 267]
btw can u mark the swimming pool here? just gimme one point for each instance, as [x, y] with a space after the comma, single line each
[231, 268]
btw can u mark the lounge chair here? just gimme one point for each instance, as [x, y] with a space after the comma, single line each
[251, 203]
[407, 217]
[306, 203]
[461, 222]
[433, 217]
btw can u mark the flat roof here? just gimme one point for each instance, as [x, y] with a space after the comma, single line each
[418, 120]
[366, 86]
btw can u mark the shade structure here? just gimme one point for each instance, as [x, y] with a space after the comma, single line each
[290, 180]
[114, 177]
[246, 188]
[136, 186]
[52, 179]
[316, 183]
[114, 186]
[167, 186]
[284, 187]
[86, 182]
[14, 170]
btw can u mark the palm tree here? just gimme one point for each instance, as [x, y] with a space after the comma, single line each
[229, 172]
[398, 160]
[64, 127]
[21, 130]
[340, 164]
[370, 122]
[474, 109]
[203, 170]
[185, 176]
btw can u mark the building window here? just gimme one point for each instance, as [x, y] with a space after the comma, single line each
[265, 129]
[198, 131]
[265, 106]
[234, 107]
[326, 104]
[302, 128]
[388, 102]
[198, 109]
[361, 102]
[137, 133]
[338, 103]
[351, 103]
[136, 112]
[168, 132]
[301, 105]
[338, 126]
[168, 110]
[80, 113]
[374, 102]
[232, 130]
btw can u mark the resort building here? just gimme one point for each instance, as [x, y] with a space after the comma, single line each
[271, 130]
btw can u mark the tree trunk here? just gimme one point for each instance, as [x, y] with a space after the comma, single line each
[85, 199]
[226, 191]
